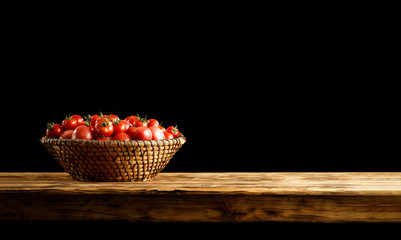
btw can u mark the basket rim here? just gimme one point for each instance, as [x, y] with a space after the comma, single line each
[181, 139]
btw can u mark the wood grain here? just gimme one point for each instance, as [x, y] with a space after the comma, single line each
[211, 197]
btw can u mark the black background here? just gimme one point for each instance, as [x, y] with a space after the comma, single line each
[301, 94]
[314, 94]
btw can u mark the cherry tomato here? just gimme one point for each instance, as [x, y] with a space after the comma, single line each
[162, 128]
[69, 123]
[142, 133]
[157, 134]
[131, 119]
[119, 127]
[66, 134]
[140, 123]
[121, 136]
[168, 135]
[130, 132]
[127, 123]
[112, 117]
[53, 130]
[79, 119]
[104, 127]
[82, 132]
[173, 130]
[94, 118]
[93, 130]
[153, 122]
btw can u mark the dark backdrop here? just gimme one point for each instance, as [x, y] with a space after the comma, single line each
[250, 94]
[282, 95]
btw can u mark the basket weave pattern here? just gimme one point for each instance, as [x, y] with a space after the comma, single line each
[135, 160]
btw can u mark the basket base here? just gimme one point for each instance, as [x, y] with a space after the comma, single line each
[119, 179]
[133, 180]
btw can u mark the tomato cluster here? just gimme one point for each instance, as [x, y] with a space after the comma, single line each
[110, 127]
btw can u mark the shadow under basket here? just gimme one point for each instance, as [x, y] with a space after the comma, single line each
[124, 161]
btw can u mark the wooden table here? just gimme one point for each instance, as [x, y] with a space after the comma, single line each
[211, 197]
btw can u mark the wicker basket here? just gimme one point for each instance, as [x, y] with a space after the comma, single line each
[135, 160]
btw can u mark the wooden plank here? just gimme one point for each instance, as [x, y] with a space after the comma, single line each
[211, 197]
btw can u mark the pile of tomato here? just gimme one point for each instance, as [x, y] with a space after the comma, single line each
[110, 127]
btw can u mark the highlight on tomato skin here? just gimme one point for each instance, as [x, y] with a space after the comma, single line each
[141, 133]
[69, 123]
[168, 135]
[53, 130]
[157, 134]
[82, 132]
[100, 127]
[104, 127]
[174, 131]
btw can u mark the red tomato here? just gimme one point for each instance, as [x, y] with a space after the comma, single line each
[69, 123]
[168, 135]
[131, 119]
[153, 122]
[94, 119]
[119, 127]
[127, 123]
[173, 130]
[53, 130]
[142, 133]
[66, 134]
[104, 127]
[121, 136]
[130, 132]
[157, 134]
[112, 117]
[79, 119]
[140, 123]
[82, 132]
[93, 130]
